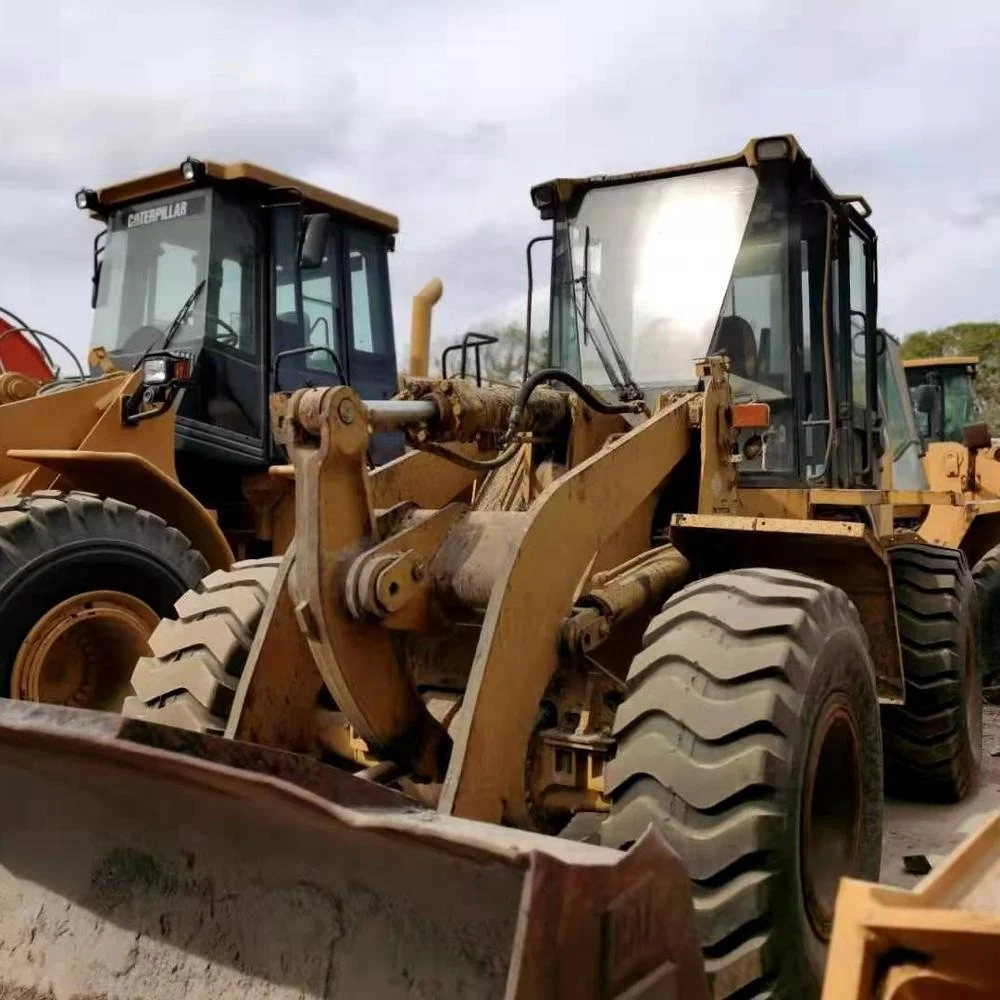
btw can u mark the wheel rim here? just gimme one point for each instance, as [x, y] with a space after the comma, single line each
[83, 650]
[831, 814]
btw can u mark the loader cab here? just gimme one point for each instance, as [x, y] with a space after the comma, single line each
[944, 397]
[750, 256]
[264, 282]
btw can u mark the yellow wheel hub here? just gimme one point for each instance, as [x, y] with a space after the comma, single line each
[82, 652]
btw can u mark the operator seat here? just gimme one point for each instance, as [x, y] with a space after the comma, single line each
[734, 338]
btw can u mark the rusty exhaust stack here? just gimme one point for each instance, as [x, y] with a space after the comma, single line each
[420, 326]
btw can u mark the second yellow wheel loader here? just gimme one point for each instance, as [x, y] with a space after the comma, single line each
[961, 456]
[656, 585]
[213, 286]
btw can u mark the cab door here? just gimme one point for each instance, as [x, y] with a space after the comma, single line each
[221, 414]
[371, 349]
[307, 322]
[861, 424]
[333, 323]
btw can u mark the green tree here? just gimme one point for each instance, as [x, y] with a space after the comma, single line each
[980, 339]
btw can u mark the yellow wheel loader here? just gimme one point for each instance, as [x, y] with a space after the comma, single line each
[961, 457]
[214, 285]
[656, 585]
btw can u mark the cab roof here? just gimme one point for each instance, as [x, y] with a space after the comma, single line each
[755, 152]
[244, 174]
[952, 361]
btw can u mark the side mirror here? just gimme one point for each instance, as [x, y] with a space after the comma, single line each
[859, 338]
[315, 237]
[928, 407]
[858, 344]
[976, 436]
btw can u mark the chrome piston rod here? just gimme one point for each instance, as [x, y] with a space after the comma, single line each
[389, 414]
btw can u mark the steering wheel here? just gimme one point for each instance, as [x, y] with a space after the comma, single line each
[231, 339]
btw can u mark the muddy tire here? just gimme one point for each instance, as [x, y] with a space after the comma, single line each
[753, 688]
[82, 580]
[933, 742]
[198, 657]
[986, 574]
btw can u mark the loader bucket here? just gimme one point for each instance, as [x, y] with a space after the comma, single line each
[939, 939]
[138, 861]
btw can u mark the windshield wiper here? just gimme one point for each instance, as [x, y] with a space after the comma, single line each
[630, 386]
[626, 386]
[175, 324]
[178, 320]
[609, 368]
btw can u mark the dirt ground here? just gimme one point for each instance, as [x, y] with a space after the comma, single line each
[934, 831]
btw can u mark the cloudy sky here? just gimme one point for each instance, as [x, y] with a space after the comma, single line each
[446, 112]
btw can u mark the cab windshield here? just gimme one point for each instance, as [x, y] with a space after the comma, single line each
[643, 272]
[156, 256]
[650, 276]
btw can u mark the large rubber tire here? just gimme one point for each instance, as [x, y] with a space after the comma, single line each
[933, 742]
[986, 574]
[754, 686]
[198, 658]
[55, 546]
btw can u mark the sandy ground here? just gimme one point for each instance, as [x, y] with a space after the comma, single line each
[936, 830]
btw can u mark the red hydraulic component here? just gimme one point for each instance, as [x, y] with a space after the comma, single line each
[19, 353]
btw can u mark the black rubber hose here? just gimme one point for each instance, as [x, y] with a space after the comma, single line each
[572, 382]
[510, 445]
[18, 322]
[476, 464]
[22, 326]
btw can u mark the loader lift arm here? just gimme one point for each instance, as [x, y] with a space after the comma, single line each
[547, 553]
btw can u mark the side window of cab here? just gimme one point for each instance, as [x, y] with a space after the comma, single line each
[371, 349]
[367, 277]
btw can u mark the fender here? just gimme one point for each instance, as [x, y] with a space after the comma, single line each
[139, 482]
[842, 553]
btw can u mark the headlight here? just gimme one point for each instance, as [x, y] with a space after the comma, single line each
[156, 371]
[86, 198]
[541, 196]
[191, 169]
